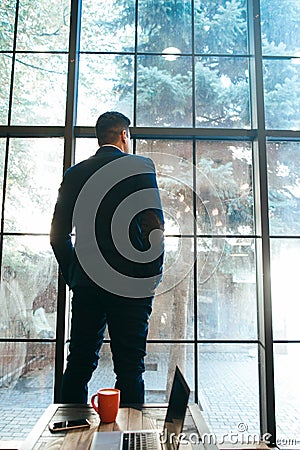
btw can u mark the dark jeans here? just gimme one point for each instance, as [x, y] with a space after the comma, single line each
[127, 319]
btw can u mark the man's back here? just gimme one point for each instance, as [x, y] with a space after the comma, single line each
[99, 193]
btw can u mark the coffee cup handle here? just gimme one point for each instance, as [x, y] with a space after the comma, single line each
[93, 402]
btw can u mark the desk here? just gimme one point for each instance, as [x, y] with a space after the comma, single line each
[147, 417]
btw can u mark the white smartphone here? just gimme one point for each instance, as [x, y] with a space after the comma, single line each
[69, 425]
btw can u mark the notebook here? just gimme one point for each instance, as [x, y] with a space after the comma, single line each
[152, 439]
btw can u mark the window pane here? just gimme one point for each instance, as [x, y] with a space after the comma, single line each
[28, 288]
[105, 83]
[40, 90]
[164, 26]
[108, 27]
[26, 374]
[34, 176]
[2, 159]
[85, 148]
[282, 94]
[160, 365]
[174, 168]
[172, 315]
[222, 92]
[280, 25]
[220, 26]
[7, 20]
[5, 74]
[287, 394]
[229, 391]
[227, 289]
[164, 91]
[43, 25]
[224, 188]
[284, 187]
[285, 259]
[173, 308]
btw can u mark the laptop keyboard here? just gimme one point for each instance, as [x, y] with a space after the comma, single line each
[140, 441]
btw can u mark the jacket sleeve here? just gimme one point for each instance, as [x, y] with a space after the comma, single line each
[61, 227]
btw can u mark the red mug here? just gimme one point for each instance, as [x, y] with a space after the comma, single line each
[107, 404]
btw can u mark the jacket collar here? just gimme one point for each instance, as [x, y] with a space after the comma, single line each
[109, 148]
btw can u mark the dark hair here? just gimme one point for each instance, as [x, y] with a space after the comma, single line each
[109, 126]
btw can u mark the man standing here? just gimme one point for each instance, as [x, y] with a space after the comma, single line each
[112, 203]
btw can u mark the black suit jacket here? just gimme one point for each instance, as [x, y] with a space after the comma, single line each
[97, 194]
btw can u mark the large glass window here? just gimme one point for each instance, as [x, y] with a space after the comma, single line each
[28, 290]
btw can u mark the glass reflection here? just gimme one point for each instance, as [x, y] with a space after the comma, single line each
[34, 176]
[28, 291]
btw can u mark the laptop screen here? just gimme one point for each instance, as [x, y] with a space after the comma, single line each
[178, 402]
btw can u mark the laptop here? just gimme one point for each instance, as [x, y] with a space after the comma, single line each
[152, 439]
